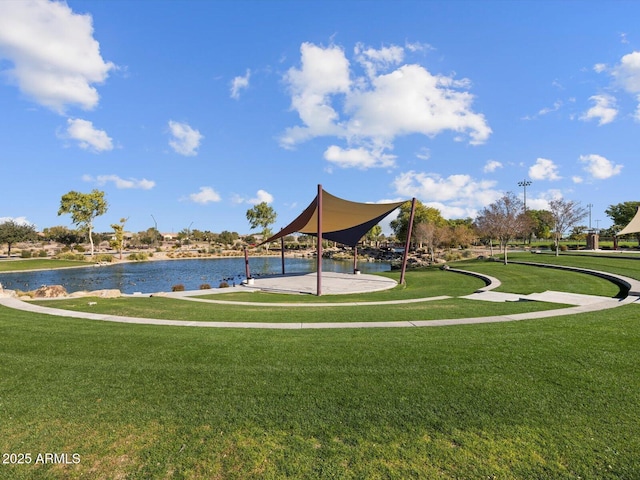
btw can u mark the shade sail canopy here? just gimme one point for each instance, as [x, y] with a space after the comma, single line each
[633, 227]
[343, 221]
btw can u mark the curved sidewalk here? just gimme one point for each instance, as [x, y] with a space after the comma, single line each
[592, 306]
[20, 305]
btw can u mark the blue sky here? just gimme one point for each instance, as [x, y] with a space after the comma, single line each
[193, 111]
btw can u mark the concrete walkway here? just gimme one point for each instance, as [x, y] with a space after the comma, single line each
[583, 304]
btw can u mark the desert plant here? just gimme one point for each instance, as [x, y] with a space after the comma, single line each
[223, 284]
[71, 256]
[205, 286]
[177, 288]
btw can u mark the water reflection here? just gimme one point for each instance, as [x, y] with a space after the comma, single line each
[158, 276]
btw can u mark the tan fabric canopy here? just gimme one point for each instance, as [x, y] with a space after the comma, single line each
[633, 226]
[343, 221]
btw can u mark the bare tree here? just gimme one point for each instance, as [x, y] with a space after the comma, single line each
[566, 214]
[504, 220]
[432, 236]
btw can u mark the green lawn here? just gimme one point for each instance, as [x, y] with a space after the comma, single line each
[553, 398]
[38, 264]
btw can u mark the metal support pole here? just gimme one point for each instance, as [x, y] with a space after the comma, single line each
[282, 253]
[408, 242]
[246, 263]
[319, 232]
[355, 258]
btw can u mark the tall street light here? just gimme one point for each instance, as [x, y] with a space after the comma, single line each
[590, 206]
[524, 183]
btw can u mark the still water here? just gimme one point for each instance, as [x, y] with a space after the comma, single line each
[160, 276]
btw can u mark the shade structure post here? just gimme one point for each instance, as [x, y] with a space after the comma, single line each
[319, 233]
[282, 253]
[246, 263]
[355, 259]
[408, 242]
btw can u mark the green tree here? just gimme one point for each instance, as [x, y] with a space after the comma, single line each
[150, 236]
[566, 214]
[63, 235]
[84, 208]
[541, 222]
[621, 214]
[503, 220]
[373, 235]
[422, 214]
[262, 215]
[117, 242]
[13, 232]
[227, 238]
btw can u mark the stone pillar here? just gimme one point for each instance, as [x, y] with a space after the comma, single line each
[593, 241]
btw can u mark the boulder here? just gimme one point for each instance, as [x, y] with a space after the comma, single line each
[50, 291]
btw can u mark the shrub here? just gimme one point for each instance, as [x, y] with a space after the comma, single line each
[79, 248]
[71, 256]
[177, 288]
[223, 284]
[42, 253]
[25, 254]
[205, 286]
[137, 257]
[104, 257]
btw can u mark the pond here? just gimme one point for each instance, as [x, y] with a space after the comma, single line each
[161, 275]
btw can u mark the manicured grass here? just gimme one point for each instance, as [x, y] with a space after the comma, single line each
[174, 309]
[429, 282]
[525, 279]
[549, 398]
[38, 264]
[420, 283]
[554, 398]
[620, 263]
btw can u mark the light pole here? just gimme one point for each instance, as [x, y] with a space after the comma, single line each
[524, 184]
[590, 206]
[155, 233]
[189, 234]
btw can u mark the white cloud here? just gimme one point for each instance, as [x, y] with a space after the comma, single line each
[205, 195]
[372, 60]
[358, 157]
[604, 109]
[261, 196]
[556, 106]
[492, 166]
[186, 140]
[324, 72]
[370, 111]
[18, 220]
[541, 201]
[240, 83]
[599, 67]
[424, 154]
[120, 183]
[599, 167]
[88, 137]
[456, 195]
[627, 72]
[577, 179]
[411, 100]
[56, 61]
[544, 169]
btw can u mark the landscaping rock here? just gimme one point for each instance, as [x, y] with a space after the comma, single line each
[50, 291]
